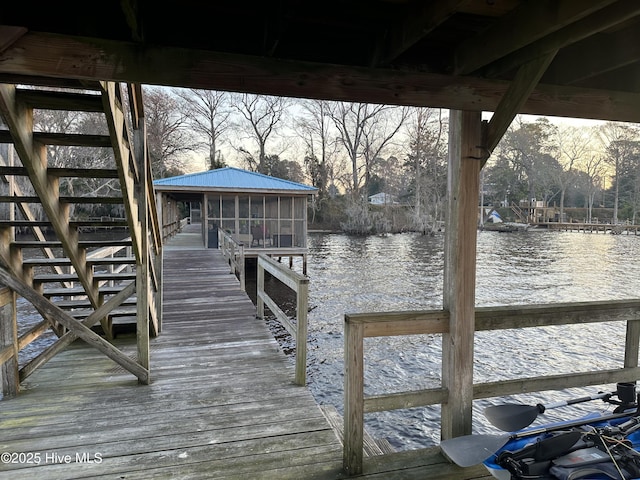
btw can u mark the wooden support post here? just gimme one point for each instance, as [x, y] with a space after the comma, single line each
[259, 289]
[353, 397]
[142, 265]
[632, 344]
[302, 308]
[463, 186]
[9, 341]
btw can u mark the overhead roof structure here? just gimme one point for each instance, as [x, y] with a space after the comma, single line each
[459, 54]
[231, 179]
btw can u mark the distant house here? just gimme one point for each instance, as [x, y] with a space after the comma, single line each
[266, 214]
[381, 199]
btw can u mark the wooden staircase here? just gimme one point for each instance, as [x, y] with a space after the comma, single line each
[73, 281]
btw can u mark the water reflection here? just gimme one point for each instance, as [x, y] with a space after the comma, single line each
[401, 272]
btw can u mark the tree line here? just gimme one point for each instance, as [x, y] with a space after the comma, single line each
[350, 151]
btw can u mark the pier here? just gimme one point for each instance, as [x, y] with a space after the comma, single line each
[221, 403]
[618, 229]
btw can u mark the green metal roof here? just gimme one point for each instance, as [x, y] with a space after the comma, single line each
[232, 179]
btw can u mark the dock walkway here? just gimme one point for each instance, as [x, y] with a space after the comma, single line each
[221, 403]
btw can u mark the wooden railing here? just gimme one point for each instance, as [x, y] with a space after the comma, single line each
[233, 252]
[300, 285]
[39, 329]
[360, 326]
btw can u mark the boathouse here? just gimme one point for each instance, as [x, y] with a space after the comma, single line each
[266, 214]
[210, 409]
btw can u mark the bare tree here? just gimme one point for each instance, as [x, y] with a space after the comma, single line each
[363, 133]
[619, 141]
[593, 168]
[574, 144]
[314, 126]
[426, 163]
[208, 114]
[261, 116]
[168, 135]
[378, 135]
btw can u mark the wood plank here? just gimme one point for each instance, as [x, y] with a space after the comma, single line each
[521, 87]
[63, 199]
[42, 53]
[222, 402]
[55, 100]
[64, 172]
[531, 22]
[63, 139]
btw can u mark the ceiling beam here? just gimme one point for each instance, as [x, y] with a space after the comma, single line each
[419, 21]
[525, 25]
[521, 87]
[130, 12]
[606, 18]
[9, 34]
[49, 55]
[606, 53]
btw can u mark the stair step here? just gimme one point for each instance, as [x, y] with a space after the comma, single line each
[74, 223]
[50, 100]
[72, 277]
[83, 243]
[63, 139]
[117, 312]
[85, 303]
[68, 292]
[78, 200]
[63, 261]
[65, 172]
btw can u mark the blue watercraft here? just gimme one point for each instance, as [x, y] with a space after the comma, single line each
[594, 447]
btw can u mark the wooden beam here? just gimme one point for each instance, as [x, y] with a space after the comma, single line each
[75, 327]
[50, 100]
[606, 52]
[69, 337]
[72, 325]
[521, 87]
[143, 264]
[64, 139]
[58, 56]
[525, 25]
[463, 189]
[604, 19]
[422, 19]
[9, 35]
[64, 172]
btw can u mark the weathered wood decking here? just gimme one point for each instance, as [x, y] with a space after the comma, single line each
[221, 403]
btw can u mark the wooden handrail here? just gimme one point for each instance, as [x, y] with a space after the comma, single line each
[300, 285]
[233, 252]
[360, 326]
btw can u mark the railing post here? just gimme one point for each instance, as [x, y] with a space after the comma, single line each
[241, 273]
[260, 289]
[353, 397]
[632, 344]
[9, 340]
[302, 307]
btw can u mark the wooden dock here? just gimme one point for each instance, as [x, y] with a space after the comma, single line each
[221, 402]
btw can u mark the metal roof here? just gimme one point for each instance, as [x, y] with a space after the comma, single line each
[232, 179]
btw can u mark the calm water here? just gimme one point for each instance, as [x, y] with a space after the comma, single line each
[400, 272]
